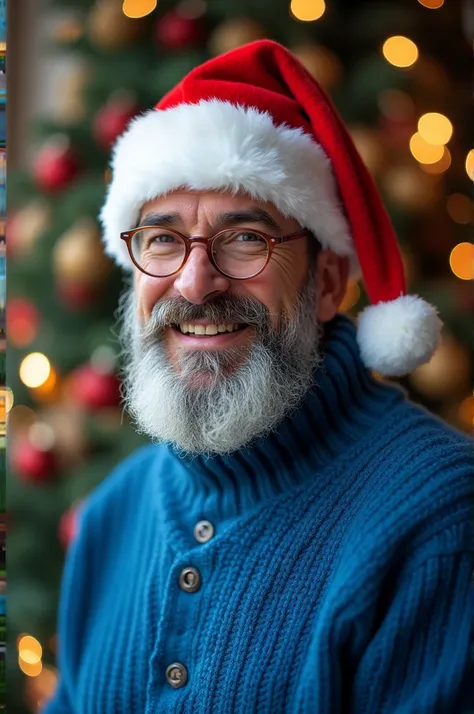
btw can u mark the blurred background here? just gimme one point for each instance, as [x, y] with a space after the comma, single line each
[399, 71]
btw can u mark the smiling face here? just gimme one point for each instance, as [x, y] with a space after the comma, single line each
[215, 392]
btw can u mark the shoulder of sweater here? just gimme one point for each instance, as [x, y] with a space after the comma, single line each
[417, 486]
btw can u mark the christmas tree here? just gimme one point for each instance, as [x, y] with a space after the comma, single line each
[399, 74]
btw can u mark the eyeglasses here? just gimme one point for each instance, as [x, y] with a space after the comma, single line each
[237, 253]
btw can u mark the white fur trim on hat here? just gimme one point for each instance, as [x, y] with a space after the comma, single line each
[397, 336]
[216, 145]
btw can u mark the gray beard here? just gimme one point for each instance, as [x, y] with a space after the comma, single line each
[246, 392]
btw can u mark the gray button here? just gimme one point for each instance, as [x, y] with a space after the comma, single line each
[203, 531]
[176, 675]
[190, 580]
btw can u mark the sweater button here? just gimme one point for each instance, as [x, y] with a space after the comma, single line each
[176, 675]
[203, 531]
[190, 580]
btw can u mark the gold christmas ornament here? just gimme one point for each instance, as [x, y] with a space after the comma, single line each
[71, 108]
[234, 33]
[321, 63]
[447, 374]
[78, 256]
[26, 226]
[109, 29]
[70, 436]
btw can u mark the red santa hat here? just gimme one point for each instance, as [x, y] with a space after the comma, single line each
[254, 120]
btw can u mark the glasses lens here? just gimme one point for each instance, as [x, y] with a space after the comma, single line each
[240, 254]
[158, 251]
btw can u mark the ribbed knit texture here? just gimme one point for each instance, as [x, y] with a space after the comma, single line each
[338, 579]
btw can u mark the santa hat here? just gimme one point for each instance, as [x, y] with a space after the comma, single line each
[254, 120]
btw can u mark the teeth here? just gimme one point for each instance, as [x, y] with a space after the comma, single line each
[188, 327]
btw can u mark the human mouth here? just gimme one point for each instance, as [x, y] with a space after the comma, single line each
[196, 335]
[199, 329]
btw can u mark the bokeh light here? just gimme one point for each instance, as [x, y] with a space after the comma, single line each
[470, 164]
[351, 298]
[432, 4]
[461, 261]
[35, 369]
[29, 655]
[307, 10]
[460, 208]
[400, 51]
[138, 8]
[424, 152]
[435, 128]
[466, 413]
[438, 167]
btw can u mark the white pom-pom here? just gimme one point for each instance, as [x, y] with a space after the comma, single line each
[396, 337]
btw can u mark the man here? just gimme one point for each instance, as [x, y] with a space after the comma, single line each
[299, 536]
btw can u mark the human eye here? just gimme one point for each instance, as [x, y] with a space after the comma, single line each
[158, 238]
[248, 237]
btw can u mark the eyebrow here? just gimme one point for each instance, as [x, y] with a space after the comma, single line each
[249, 215]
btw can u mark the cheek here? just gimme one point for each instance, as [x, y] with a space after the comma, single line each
[149, 290]
[278, 286]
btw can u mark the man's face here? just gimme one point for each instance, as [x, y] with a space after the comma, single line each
[215, 393]
[202, 214]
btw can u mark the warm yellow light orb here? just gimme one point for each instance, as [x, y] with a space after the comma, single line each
[470, 164]
[432, 4]
[435, 128]
[438, 167]
[27, 642]
[400, 51]
[29, 656]
[424, 152]
[307, 10]
[138, 8]
[461, 261]
[31, 669]
[35, 369]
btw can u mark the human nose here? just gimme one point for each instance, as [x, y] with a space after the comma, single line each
[198, 280]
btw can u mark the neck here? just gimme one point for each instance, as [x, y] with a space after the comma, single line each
[336, 413]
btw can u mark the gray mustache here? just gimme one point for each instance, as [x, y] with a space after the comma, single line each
[171, 311]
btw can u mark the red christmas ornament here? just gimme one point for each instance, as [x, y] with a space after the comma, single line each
[112, 120]
[75, 295]
[23, 322]
[32, 464]
[94, 390]
[175, 31]
[56, 166]
[68, 526]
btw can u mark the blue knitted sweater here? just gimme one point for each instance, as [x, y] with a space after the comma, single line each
[338, 578]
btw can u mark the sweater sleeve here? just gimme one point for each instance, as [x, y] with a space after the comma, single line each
[70, 615]
[420, 659]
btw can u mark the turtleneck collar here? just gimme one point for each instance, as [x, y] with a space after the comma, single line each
[342, 406]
